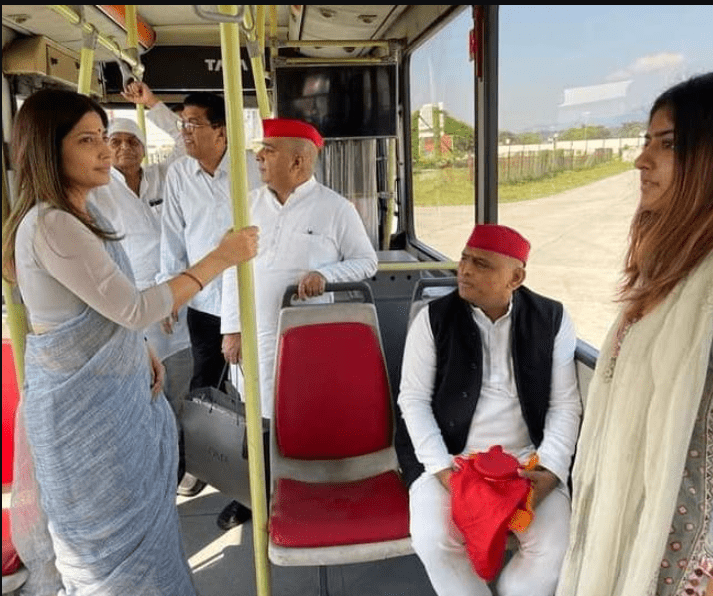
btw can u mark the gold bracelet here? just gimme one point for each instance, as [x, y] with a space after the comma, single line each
[193, 277]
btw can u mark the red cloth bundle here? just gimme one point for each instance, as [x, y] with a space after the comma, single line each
[488, 499]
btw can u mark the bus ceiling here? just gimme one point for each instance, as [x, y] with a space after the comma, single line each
[181, 26]
[59, 25]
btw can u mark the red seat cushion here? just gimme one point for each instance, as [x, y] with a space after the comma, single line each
[332, 397]
[334, 514]
[10, 399]
[10, 559]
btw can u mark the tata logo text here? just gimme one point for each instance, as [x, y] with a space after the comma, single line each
[216, 64]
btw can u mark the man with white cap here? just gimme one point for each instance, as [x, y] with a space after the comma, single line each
[489, 364]
[133, 202]
[310, 235]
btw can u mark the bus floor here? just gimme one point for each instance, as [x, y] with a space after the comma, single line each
[223, 562]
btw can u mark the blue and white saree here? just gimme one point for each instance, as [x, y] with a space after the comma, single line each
[105, 463]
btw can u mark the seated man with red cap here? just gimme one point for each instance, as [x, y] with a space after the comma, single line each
[310, 235]
[489, 364]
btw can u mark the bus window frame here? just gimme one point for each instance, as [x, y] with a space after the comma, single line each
[485, 92]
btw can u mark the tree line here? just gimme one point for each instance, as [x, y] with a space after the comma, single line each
[580, 133]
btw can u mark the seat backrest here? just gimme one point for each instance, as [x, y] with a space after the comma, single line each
[427, 289]
[332, 397]
[10, 401]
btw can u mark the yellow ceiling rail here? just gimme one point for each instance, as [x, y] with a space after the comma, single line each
[334, 43]
[330, 61]
[108, 44]
[256, 51]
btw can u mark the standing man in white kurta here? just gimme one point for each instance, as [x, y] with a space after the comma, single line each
[490, 364]
[310, 235]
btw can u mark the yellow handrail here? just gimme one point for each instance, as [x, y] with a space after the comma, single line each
[232, 81]
[86, 60]
[419, 266]
[334, 43]
[106, 42]
[16, 319]
[256, 51]
[132, 42]
[86, 66]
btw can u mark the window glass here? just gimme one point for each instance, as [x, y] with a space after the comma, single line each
[575, 87]
[442, 138]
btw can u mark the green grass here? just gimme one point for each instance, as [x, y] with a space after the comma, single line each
[451, 186]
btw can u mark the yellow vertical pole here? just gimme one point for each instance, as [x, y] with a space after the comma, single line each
[86, 63]
[132, 42]
[16, 321]
[273, 21]
[233, 83]
[260, 22]
[256, 52]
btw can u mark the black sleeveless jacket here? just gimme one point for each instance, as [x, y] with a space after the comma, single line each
[459, 375]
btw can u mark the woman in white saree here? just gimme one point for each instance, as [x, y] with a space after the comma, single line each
[643, 475]
[93, 509]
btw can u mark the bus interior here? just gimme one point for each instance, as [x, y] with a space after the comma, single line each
[380, 82]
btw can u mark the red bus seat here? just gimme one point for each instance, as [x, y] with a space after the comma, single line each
[10, 559]
[10, 400]
[336, 494]
[14, 574]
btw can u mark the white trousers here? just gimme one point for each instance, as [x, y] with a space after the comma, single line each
[532, 571]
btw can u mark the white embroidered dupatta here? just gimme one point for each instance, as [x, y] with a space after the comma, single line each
[632, 448]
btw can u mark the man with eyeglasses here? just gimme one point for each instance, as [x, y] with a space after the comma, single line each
[197, 213]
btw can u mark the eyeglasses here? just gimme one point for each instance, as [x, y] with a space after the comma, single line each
[189, 126]
[132, 142]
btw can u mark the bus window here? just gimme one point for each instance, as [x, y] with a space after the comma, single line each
[572, 114]
[442, 138]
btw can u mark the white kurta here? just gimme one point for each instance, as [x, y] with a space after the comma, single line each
[138, 220]
[497, 420]
[197, 213]
[315, 230]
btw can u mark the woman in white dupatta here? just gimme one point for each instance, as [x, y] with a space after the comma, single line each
[643, 476]
[93, 505]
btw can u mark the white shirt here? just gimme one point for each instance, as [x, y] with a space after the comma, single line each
[315, 230]
[197, 213]
[498, 418]
[138, 220]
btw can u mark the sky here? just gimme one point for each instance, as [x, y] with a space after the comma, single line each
[546, 50]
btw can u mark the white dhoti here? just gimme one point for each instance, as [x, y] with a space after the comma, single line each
[532, 571]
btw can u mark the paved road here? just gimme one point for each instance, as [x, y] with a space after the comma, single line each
[578, 242]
